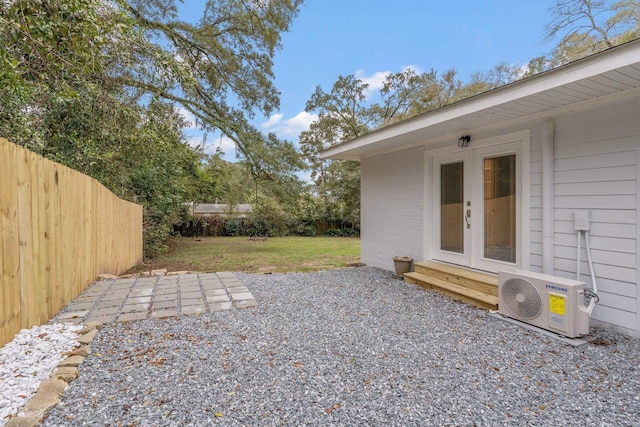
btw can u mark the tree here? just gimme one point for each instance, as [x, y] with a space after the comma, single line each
[95, 85]
[343, 114]
[586, 27]
[406, 94]
[219, 69]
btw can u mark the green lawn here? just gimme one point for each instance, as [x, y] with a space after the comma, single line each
[277, 254]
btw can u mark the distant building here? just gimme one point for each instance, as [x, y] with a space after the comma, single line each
[221, 210]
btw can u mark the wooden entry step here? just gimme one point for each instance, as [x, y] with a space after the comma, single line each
[473, 287]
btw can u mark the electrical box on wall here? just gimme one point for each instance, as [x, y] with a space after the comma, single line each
[582, 221]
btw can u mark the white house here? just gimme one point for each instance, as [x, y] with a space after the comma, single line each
[539, 151]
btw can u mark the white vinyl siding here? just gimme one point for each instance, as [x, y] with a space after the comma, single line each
[596, 170]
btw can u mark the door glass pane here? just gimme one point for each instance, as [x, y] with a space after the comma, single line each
[451, 207]
[500, 208]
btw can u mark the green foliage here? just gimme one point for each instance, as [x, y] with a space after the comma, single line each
[96, 85]
[219, 69]
[342, 232]
[232, 227]
[306, 230]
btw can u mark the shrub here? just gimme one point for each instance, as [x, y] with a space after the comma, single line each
[344, 232]
[231, 227]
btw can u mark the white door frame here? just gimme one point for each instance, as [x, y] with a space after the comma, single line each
[513, 143]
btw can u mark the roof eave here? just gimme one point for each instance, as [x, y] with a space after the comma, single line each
[583, 69]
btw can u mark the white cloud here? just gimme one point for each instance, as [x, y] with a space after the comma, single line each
[375, 81]
[194, 141]
[290, 127]
[274, 120]
[224, 143]
[415, 68]
[188, 116]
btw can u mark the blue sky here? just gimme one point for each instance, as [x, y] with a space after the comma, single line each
[371, 38]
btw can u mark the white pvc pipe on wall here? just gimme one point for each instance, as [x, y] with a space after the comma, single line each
[548, 142]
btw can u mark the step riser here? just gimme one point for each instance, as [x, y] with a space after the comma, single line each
[487, 288]
[458, 297]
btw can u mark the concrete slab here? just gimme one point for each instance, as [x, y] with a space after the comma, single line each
[102, 319]
[134, 308]
[212, 284]
[106, 311]
[138, 300]
[114, 295]
[141, 292]
[220, 306]
[193, 302]
[162, 290]
[164, 304]
[245, 303]
[219, 298]
[83, 298]
[194, 309]
[242, 296]
[130, 299]
[121, 287]
[160, 314]
[215, 292]
[80, 306]
[232, 283]
[191, 295]
[108, 303]
[127, 317]
[166, 297]
[146, 280]
[226, 275]
[73, 314]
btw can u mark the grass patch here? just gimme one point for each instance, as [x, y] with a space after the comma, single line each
[275, 254]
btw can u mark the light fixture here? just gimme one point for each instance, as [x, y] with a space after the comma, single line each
[463, 141]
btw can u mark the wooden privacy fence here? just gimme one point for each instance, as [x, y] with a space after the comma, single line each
[59, 229]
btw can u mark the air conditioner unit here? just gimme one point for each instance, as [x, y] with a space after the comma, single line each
[548, 302]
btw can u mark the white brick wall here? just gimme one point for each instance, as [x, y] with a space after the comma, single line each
[392, 207]
[596, 170]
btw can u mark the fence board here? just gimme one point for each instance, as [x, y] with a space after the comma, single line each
[59, 229]
[25, 230]
[10, 242]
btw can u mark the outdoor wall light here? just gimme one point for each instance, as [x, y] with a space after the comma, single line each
[463, 141]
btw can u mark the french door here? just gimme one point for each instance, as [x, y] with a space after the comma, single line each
[477, 200]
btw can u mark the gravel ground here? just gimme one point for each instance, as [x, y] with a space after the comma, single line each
[349, 347]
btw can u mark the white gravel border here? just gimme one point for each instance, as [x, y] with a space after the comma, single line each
[28, 360]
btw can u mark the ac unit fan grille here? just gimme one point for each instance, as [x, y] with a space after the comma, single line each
[521, 298]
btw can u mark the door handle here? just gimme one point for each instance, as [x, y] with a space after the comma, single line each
[467, 217]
